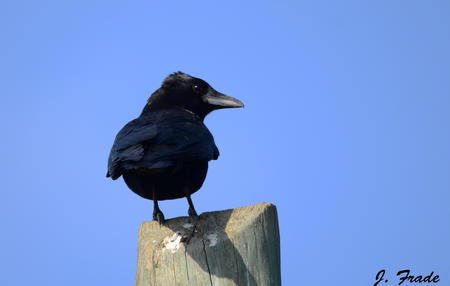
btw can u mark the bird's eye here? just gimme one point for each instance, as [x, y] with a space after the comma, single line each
[196, 88]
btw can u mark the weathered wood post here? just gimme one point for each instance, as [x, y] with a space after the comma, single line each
[231, 247]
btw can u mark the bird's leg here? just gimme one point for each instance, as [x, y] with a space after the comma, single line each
[157, 213]
[193, 214]
[191, 211]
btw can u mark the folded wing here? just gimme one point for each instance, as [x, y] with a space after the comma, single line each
[160, 141]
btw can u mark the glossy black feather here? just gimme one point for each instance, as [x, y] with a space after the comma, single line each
[160, 140]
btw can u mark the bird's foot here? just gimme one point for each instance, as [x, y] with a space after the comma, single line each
[192, 213]
[159, 216]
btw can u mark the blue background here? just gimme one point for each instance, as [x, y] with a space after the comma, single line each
[345, 129]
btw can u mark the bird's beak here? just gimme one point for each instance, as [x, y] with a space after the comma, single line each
[220, 100]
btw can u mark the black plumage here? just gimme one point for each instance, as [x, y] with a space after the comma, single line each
[164, 153]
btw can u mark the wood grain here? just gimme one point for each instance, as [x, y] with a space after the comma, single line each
[232, 247]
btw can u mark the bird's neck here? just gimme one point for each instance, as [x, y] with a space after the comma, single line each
[149, 108]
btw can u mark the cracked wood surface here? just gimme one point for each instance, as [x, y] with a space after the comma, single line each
[232, 247]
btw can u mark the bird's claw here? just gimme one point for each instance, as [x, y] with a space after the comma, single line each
[159, 216]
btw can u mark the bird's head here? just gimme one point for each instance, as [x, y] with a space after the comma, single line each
[180, 90]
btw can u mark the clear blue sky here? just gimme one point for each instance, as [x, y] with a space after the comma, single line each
[345, 129]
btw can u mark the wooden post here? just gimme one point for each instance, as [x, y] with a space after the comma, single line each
[231, 247]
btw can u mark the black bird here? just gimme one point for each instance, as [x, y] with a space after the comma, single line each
[163, 154]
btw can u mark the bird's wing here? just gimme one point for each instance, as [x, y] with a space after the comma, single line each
[181, 137]
[177, 137]
[129, 145]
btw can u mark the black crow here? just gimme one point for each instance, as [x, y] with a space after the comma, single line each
[163, 154]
